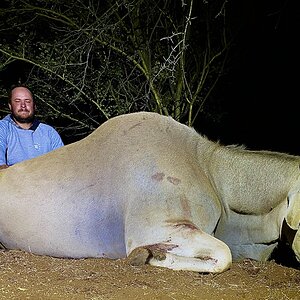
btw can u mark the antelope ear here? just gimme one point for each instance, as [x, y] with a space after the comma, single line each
[293, 211]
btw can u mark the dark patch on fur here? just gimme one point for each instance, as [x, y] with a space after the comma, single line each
[158, 176]
[174, 180]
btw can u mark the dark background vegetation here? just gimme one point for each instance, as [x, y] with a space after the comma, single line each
[255, 101]
[261, 94]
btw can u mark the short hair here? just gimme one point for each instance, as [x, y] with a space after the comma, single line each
[16, 86]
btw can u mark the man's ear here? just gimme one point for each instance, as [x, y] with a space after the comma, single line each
[9, 105]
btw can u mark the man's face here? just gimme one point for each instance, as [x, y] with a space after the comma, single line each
[21, 105]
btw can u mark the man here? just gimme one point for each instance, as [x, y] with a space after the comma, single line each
[22, 136]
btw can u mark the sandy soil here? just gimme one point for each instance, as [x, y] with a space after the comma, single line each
[27, 276]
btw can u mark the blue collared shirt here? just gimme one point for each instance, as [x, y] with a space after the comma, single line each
[18, 144]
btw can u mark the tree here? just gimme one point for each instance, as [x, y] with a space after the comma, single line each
[88, 61]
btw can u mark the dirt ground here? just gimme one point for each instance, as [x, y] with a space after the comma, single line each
[28, 276]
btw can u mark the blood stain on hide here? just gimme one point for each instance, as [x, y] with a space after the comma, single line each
[186, 225]
[182, 223]
[185, 207]
[208, 258]
[173, 180]
[161, 247]
[158, 176]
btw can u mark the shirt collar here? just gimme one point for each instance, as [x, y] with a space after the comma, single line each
[33, 127]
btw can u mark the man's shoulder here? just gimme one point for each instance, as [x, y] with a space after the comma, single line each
[7, 118]
[4, 123]
[46, 128]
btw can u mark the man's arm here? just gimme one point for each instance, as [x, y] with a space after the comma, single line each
[3, 145]
[56, 141]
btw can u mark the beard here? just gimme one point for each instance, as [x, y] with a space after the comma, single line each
[24, 120]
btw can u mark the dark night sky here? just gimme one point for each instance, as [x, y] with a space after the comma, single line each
[262, 94]
[259, 96]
